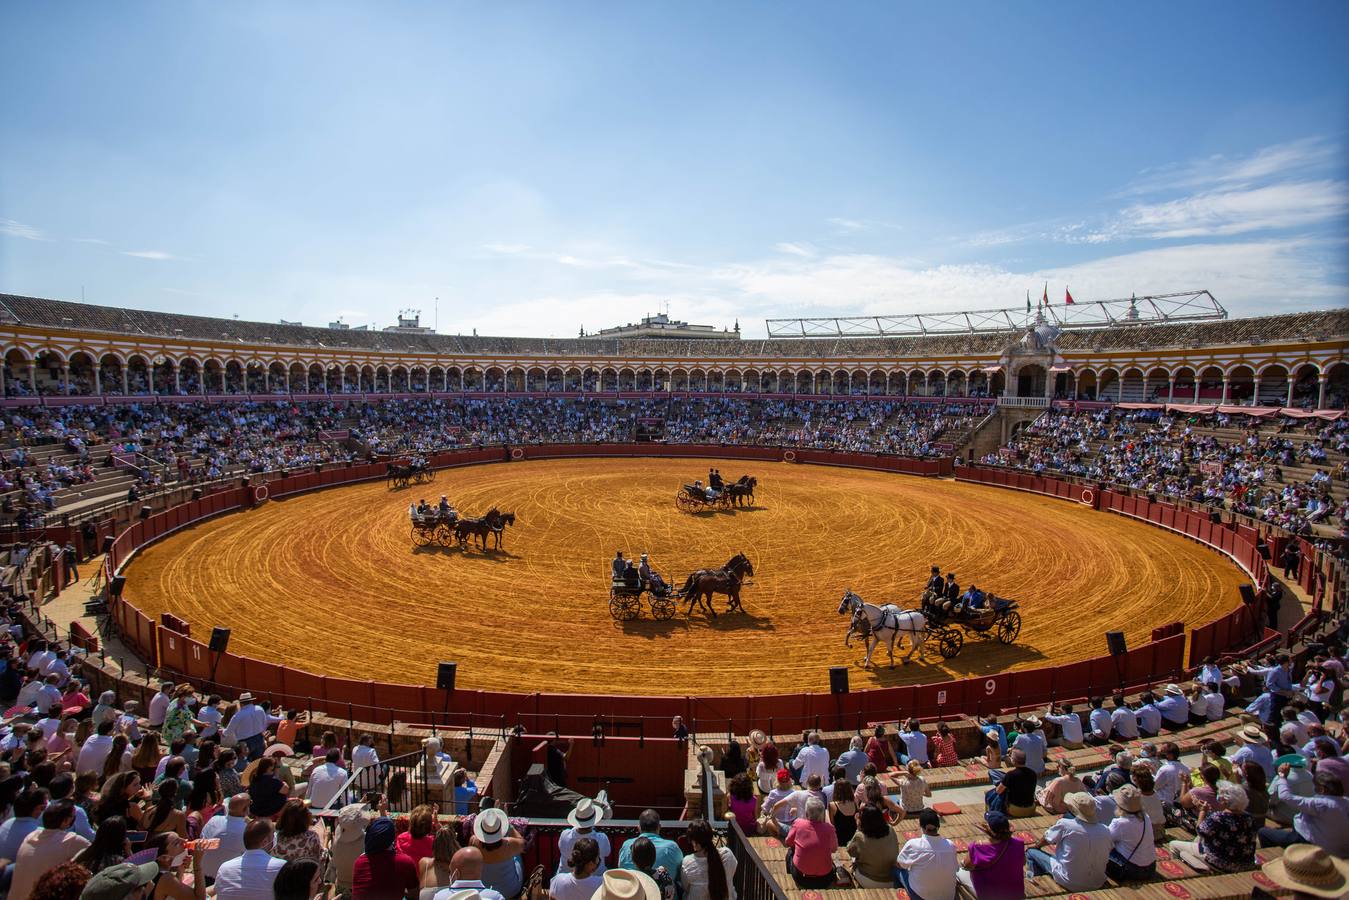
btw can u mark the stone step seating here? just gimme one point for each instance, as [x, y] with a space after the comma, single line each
[1176, 879]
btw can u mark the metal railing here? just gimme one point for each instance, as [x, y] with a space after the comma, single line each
[752, 879]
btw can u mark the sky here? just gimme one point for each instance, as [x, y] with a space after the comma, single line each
[527, 168]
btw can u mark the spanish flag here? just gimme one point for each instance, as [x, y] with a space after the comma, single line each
[1067, 297]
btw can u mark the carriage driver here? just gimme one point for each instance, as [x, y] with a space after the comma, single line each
[618, 565]
[950, 593]
[934, 582]
[714, 480]
[444, 507]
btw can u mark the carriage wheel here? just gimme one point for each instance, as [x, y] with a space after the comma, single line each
[1009, 626]
[444, 535]
[616, 606]
[683, 503]
[663, 608]
[421, 536]
[625, 607]
[949, 643]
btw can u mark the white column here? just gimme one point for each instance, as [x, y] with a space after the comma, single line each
[1255, 391]
[1226, 386]
[98, 382]
[1196, 388]
[1171, 389]
[1291, 382]
[1119, 395]
[177, 382]
[126, 382]
[1322, 380]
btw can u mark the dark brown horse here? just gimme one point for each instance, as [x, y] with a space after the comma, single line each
[701, 585]
[494, 523]
[742, 490]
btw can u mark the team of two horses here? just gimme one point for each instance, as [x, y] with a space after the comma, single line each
[883, 623]
[492, 524]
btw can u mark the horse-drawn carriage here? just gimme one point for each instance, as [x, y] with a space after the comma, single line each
[625, 594]
[401, 474]
[999, 617]
[695, 498]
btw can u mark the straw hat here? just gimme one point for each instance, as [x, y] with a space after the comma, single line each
[625, 884]
[586, 814]
[758, 738]
[352, 820]
[1033, 721]
[490, 825]
[1251, 734]
[1082, 806]
[281, 749]
[1309, 870]
[246, 697]
[1174, 690]
[1128, 798]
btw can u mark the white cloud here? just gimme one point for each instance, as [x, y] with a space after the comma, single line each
[158, 255]
[1224, 213]
[795, 249]
[1284, 159]
[846, 224]
[504, 249]
[11, 228]
[90, 241]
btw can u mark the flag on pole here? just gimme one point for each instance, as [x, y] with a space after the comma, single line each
[1027, 299]
[1045, 298]
[1067, 297]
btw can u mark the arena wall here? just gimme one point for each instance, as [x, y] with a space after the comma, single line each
[383, 703]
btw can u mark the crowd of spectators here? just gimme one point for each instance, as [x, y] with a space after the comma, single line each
[1233, 462]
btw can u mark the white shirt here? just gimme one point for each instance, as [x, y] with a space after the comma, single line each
[483, 890]
[248, 722]
[1217, 706]
[1070, 727]
[1101, 723]
[693, 875]
[159, 705]
[1149, 718]
[362, 755]
[915, 746]
[1210, 674]
[813, 760]
[211, 715]
[1032, 743]
[248, 877]
[94, 753]
[931, 861]
[58, 668]
[1133, 838]
[1080, 854]
[1124, 722]
[39, 659]
[47, 696]
[324, 783]
[1169, 779]
[566, 842]
[230, 831]
[566, 886]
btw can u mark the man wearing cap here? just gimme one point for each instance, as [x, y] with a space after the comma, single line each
[122, 882]
[1254, 748]
[1175, 709]
[251, 875]
[247, 726]
[48, 847]
[227, 826]
[466, 867]
[668, 853]
[1082, 847]
[1322, 819]
[583, 818]
[927, 863]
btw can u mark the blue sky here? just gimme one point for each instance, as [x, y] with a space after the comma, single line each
[541, 167]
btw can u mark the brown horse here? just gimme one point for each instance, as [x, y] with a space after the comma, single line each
[701, 585]
[493, 524]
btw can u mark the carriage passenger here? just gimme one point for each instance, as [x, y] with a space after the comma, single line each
[445, 508]
[630, 577]
[950, 595]
[424, 510]
[973, 599]
[618, 565]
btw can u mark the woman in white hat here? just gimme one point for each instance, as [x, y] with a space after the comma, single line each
[501, 847]
[1134, 856]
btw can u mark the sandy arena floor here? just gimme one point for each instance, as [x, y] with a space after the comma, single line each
[330, 581]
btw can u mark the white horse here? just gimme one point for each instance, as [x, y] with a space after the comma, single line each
[874, 622]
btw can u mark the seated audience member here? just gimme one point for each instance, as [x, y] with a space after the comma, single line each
[708, 872]
[1255, 747]
[583, 819]
[995, 868]
[501, 847]
[644, 863]
[581, 876]
[227, 827]
[1031, 742]
[811, 842]
[944, 747]
[915, 743]
[1100, 722]
[742, 804]
[46, 848]
[873, 849]
[1226, 833]
[1050, 797]
[1134, 857]
[296, 838]
[1175, 709]
[1171, 774]
[913, 788]
[1308, 871]
[1069, 725]
[381, 872]
[880, 752]
[349, 840]
[668, 854]
[1082, 848]
[1013, 792]
[1322, 819]
[252, 875]
[326, 780]
[853, 760]
[1123, 720]
[927, 864]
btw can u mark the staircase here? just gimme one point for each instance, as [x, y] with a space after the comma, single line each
[996, 430]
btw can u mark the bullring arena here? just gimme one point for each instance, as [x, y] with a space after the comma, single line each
[358, 599]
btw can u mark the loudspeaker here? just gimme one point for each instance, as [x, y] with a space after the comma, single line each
[107, 543]
[1215, 517]
[445, 676]
[145, 512]
[115, 587]
[1247, 594]
[1115, 641]
[196, 493]
[838, 679]
[220, 640]
[1263, 549]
